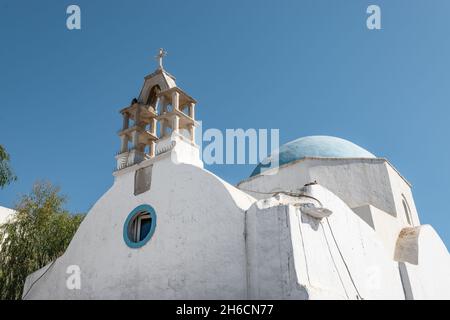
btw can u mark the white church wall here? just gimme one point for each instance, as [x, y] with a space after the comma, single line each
[290, 177]
[426, 263]
[199, 251]
[185, 151]
[271, 266]
[290, 253]
[402, 191]
[385, 226]
[196, 252]
[356, 181]
[373, 271]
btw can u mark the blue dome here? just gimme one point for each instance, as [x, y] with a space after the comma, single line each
[315, 146]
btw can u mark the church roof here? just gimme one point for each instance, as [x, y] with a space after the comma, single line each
[315, 147]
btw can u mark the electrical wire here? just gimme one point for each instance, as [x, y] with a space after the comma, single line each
[332, 259]
[304, 249]
[289, 193]
[343, 260]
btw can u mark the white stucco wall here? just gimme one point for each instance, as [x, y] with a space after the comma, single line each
[292, 255]
[386, 227]
[402, 190]
[426, 263]
[356, 181]
[197, 250]
[214, 241]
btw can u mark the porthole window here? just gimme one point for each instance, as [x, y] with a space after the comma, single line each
[139, 226]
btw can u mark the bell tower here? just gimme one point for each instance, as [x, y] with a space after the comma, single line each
[161, 103]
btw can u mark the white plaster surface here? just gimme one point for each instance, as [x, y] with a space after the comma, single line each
[215, 241]
[309, 258]
[426, 263]
[197, 250]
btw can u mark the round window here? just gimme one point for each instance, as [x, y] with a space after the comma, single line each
[139, 226]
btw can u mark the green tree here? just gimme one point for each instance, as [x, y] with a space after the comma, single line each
[39, 233]
[6, 174]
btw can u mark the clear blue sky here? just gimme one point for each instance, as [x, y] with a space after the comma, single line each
[305, 67]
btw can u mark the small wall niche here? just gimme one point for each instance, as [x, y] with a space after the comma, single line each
[142, 180]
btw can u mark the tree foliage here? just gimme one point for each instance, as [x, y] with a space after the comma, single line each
[6, 174]
[39, 233]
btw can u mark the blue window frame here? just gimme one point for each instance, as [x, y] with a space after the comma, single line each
[139, 226]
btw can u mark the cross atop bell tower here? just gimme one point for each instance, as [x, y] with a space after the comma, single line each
[161, 103]
[160, 57]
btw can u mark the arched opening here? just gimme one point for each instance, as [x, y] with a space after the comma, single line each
[167, 131]
[153, 96]
[407, 210]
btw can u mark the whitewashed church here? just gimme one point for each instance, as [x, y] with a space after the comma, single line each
[331, 221]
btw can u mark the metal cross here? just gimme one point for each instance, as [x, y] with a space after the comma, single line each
[160, 56]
